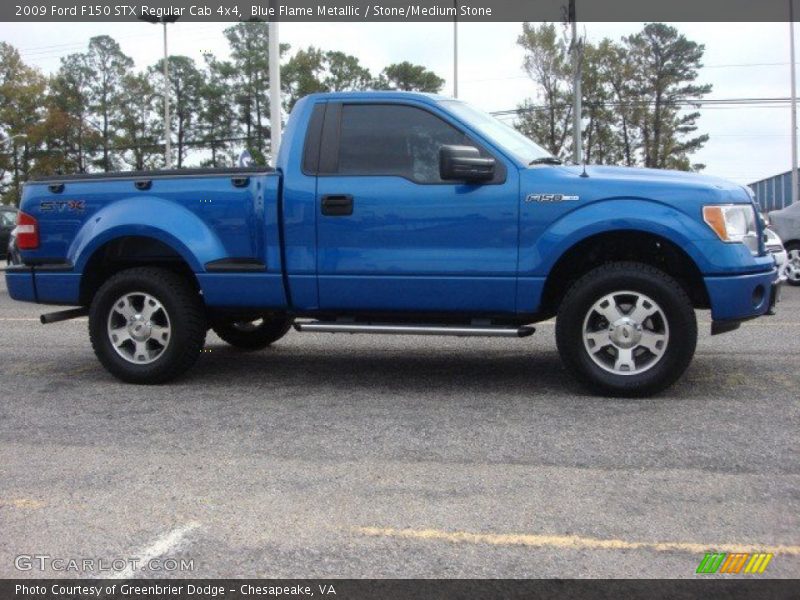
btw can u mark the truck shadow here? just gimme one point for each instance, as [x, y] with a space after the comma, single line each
[416, 371]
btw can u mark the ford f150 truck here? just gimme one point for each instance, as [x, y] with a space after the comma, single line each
[397, 213]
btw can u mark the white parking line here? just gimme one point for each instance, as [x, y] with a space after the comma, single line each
[167, 542]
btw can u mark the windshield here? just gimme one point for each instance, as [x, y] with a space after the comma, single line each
[505, 136]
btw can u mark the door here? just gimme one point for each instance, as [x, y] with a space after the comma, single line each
[392, 235]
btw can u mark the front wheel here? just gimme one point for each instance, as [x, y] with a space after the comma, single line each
[626, 329]
[256, 334]
[147, 325]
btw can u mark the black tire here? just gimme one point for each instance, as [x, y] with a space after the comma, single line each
[675, 306]
[252, 335]
[789, 248]
[187, 322]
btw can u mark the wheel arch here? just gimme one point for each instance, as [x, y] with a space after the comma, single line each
[125, 252]
[623, 245]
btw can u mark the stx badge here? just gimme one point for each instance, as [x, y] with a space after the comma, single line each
[62, 205]
[550, 198]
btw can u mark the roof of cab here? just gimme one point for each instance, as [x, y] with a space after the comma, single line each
[379, 95]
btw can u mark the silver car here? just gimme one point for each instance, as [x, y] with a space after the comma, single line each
[775, 247]
[786, 223]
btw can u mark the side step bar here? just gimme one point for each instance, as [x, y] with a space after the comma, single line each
[403, 329]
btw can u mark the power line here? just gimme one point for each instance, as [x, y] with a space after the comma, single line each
[60, 50]
[685, 102]
[738, 65]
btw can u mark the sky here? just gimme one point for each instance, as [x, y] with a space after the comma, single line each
[742, 60]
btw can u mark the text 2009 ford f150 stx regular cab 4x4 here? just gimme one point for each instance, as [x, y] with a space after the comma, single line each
[397, 213]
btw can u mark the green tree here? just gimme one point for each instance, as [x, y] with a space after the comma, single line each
[303, 74]
[409, 77]
[108, 67]
[216, 121]
[69, 113]
[632, 96]
[666, 66]
[186, 82]
[312, 70]
[136, 126]
[617, 70]
[345, 73]
[547, 63]
[249, 44]
[601, 140]
[21, 91]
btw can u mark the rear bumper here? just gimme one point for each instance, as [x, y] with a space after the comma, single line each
[740, 297]
[52, 284]
[19, 281]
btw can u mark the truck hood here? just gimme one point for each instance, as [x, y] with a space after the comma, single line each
[673, 187]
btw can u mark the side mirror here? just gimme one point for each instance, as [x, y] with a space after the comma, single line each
[464, 163]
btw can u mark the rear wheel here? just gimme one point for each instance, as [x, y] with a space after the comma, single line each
[626, 329]
[793, 263]
[147, 325]
[255, 334]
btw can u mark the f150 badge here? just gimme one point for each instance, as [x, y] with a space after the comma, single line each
[62, 205]
[550, 198]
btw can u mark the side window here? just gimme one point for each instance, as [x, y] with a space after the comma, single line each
[386, 139]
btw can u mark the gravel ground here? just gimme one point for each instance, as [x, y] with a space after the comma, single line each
[379, 456]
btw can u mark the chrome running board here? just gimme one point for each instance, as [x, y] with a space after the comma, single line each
[412, 329]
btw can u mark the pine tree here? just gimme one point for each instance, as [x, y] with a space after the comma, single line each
[21, 90]
[185, 85]
[666, 67]
[108, 67]
[547, 64]
[410, 78]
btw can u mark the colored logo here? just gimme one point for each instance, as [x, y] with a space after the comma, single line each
[734, 562]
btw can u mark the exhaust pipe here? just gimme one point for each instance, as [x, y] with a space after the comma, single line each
[63, 315]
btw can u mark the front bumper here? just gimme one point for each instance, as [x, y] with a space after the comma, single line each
[740, 297]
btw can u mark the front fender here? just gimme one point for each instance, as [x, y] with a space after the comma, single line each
[541, 247]
[148, 216]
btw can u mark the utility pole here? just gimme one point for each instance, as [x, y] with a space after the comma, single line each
[274, 86]
[795, 188]
[455, 51]
[577, 58]
[167, 122]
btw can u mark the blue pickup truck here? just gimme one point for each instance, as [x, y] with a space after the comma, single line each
[397, 213]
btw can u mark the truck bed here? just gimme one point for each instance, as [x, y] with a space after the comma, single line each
[222, 222]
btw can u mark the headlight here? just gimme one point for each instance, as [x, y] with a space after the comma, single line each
[733, 223]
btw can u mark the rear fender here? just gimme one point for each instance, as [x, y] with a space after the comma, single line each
[153, 217]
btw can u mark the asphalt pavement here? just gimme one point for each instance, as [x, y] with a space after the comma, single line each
[380, 456]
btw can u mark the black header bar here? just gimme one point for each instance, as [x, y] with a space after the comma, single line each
[395, 10]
